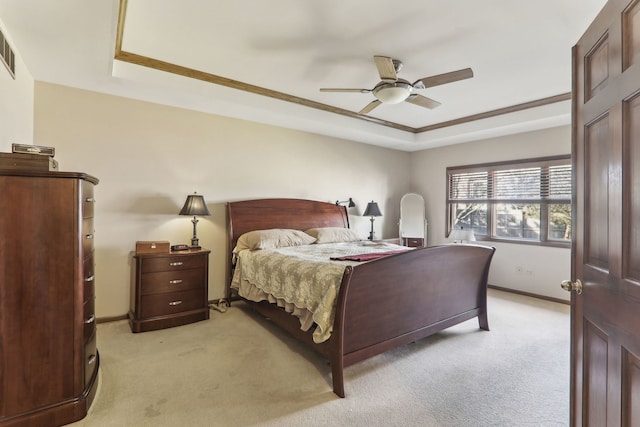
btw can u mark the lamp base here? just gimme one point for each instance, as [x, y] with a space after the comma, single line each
[371, 233]
[195, 248]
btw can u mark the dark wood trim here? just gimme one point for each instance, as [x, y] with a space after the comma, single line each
[145, 61]
[529, 294]
[235, 84]
[111, 318]
[126, 316]
[120, 30]
[498, 112]
[498, 288]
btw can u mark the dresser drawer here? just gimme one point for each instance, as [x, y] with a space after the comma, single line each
[87, 200]
[87, 236]
[171, 281]
[170, 263]
[89, 319]
[90, 358]
[88, 278]
[171, 303]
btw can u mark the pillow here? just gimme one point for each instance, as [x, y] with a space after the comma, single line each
[333, 234]
[273, 238]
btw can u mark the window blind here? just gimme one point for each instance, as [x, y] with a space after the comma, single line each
[527, 183]
[523, 201]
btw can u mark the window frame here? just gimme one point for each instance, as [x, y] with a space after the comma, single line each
[544, 201]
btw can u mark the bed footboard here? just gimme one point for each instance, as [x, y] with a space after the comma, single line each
[399, 299]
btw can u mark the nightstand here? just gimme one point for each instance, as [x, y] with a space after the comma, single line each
[413, 242]
[169, 289]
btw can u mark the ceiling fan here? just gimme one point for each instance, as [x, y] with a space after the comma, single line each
[393, 90]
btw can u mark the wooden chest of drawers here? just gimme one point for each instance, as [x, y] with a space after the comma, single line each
[48, 349]
[169, 289]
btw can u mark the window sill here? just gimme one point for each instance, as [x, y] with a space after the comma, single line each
[552, 244]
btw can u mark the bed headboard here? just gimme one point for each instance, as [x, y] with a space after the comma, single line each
[263, 214]
[299, 214]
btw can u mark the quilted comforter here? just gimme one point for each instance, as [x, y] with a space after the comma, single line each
[304, 280]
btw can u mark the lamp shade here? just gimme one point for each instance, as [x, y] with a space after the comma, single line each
[372, 209]
[461, 235]
[350, 201]
[195, 205]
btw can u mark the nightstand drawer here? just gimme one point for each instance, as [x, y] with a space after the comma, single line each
[413, 242]
[171, 303]
[171, 263]
[171, 281]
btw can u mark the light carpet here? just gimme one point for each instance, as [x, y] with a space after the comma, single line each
[237, 369]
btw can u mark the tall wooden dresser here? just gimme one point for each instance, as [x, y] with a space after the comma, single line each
[48, 355]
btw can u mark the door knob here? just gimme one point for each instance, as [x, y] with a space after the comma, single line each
[569, 286]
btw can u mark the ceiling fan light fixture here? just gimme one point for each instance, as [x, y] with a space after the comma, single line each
[392, 93]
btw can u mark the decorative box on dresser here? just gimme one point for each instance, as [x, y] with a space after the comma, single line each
[48, 353]
[169, 289]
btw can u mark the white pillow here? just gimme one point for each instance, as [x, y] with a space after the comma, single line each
[273, 238]
[333, 234]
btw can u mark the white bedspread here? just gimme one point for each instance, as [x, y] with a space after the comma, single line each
[301, 279]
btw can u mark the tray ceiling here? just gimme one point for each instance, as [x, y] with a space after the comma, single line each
[266, 61]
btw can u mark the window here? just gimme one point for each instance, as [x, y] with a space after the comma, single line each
[527, 201]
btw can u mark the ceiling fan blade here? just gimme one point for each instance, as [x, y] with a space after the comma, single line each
[423, 101]
[386, 69]
[370, 106]
[329, 89]
[441, 79]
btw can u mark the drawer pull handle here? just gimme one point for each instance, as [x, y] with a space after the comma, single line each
[175, 303]
[90, 278]
[90, 200]
[175, 263]
[89, 236]
[92, 359]
[90, 320]
[175, 282]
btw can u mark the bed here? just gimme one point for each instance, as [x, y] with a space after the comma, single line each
[380, 304]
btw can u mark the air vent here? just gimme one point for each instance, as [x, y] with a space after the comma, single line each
[7, 55]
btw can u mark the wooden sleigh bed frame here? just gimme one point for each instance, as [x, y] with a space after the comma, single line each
[384, 303]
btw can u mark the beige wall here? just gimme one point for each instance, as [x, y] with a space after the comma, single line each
[544, 267]
[16, 103]
[149, 157]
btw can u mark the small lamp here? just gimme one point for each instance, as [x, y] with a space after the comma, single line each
[195, 205]
[351, 204]
[459, 235]
[372, 210]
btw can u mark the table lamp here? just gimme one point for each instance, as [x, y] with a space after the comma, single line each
[372, 210]
[195, 205]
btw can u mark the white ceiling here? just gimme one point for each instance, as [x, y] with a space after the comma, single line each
[520, 52]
